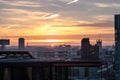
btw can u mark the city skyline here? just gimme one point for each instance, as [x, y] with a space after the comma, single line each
[58, 21]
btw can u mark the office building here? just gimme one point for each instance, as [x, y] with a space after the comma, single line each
[99, 44]
[85, 48]
[21, 43]
[88, 51]
[117, 46]
[3, 43]
[94, 52]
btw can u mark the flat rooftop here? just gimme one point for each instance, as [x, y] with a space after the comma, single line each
[37, 62]
[18, 61]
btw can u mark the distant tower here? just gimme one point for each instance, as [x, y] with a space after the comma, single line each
[85, 48]
[88, 51]
[99, 44]
[21, 43]
[4, 42]
[117, 46]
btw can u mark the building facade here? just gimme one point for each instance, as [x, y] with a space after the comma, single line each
[117, 46]
[85, 46]
[88, 51]
[21, 43]
[99, 43]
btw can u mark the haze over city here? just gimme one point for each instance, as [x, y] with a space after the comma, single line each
[47, 22]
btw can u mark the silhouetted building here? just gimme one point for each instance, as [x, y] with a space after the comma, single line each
[88, 51]
[85, 49]
[21, 43]
[94, 52]
[99, 43]
[117, 46]
[4, 42]
[64, 50]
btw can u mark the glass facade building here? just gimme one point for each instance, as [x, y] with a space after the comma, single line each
[117, 46]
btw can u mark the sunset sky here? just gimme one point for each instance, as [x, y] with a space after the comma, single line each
[47, 22]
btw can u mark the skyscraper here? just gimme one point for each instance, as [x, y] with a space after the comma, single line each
[99, 43]
[85, 48]
[21, 43]
[117, 46]
[88, 51]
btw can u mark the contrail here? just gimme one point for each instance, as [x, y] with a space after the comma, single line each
[73, 1]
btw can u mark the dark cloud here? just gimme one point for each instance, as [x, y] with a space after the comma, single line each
[92, 24]
[99, 24]
[79, 36]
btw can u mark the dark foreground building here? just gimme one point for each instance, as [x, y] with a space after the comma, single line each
[24, 68]
[117, 46]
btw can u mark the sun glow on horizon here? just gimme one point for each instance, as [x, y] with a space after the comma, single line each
[53, 40]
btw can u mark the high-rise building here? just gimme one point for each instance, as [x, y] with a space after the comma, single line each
[117, 46]
[21, 43]
[85, 48]
[99, 43]
[88, 51]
